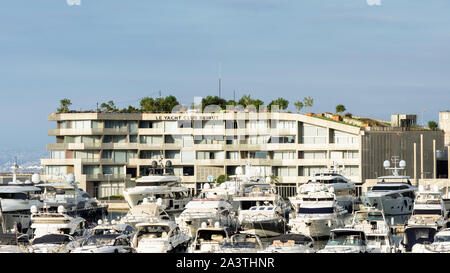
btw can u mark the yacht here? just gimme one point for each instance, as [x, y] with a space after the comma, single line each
[45, 222]
[76, 202]
[290, 243]
[146, 211]
[159, 237]
[16, 202]
[372, 221]
[429, 206]
[108, 243]
[261, 210]
[107, 237]
[440, 244]
[243, 182]
[209, 239]
[198, 211]
[161, 183]
[343, 188]
[53, 243]
[392, 194]
[316, 213]
[346, 240]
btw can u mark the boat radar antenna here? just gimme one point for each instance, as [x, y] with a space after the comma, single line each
[395, 160]
[14, 168]
[334, 168]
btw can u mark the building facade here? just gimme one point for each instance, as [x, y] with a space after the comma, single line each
[106, 151]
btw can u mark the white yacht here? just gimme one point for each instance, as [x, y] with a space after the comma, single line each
[107, 237]
[161, 184]
[429, 206]
[146, 211]
[44, 223]
[290, 243]
[346, 240]
[241, 183]
[198, 211]
[343, 188]
[159, 237]
[15, 204]
[209, 239]
[440, 244]
[261, 210]
[316, 213]
[372, 221]
[76, 202]
[53, 243]
[392, 194]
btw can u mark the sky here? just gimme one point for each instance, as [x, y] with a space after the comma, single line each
[374, 59]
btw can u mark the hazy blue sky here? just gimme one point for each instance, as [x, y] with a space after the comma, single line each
[376, 60]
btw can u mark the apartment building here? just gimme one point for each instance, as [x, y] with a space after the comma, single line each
[106, 151]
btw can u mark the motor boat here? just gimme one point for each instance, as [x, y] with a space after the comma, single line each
[372, 221]
[161, 183]
[146, 211]
[45, 222]
[440, 244]
[159, 237]
[343, 188]
[290, 243]
[392, 194]
[266, 221]
[416, 234]
[76, 201]
[209, 239]
[346, 240]
[429, 206]
[243, 182]
[107, 237]
[261, 210]
[198, 211]
[317, 213]
[16, 201]
[242, 243]
[53, 243]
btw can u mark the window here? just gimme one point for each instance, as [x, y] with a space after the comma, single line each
[58, 154]
[284, 155]
[151, 140]
[313, 134]
[311, 170]
[150, 154]
[114, 139]
[344, 138]
[115, 124]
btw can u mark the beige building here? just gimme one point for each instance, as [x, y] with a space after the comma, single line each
[106, 151]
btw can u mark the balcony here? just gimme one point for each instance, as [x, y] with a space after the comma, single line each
[107, 177]
[87, 131]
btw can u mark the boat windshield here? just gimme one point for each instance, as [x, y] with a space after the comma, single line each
[368, 216]
[345, 239]
[427, 212]
[154, 231]
[442, 238]
[324, 210]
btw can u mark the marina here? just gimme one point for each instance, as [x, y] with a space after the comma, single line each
[243, 215]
